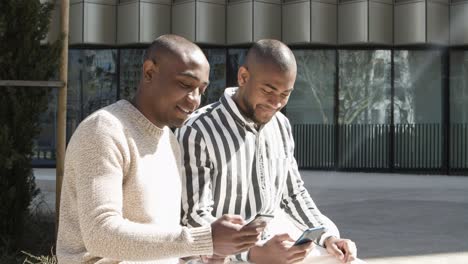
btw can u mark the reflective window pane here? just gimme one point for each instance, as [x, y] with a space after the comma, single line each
[364, 108]
[312, 101]
[217, 60]
[92, 83]
[131, 61]
[236, 58]
[311, 106]
[364, 87]
[459, 109]
[418, 109]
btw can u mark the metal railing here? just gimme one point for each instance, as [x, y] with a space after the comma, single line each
[417, 147]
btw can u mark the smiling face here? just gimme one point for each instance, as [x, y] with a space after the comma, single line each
[173, 85]
[264, 89]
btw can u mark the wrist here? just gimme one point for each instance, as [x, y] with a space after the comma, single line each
[328, 241]
[254, 253]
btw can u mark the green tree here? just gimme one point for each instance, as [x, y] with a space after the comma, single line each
[23, 24]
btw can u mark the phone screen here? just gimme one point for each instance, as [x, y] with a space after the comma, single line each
[310, 234]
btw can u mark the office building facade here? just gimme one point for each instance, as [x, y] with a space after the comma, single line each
[382, 85]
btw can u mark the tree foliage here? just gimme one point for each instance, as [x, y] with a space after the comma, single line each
[23, 24]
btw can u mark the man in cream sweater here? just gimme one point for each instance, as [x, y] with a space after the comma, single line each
[121, 192]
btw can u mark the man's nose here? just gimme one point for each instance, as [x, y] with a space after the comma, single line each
[275, 101]
[194, 97]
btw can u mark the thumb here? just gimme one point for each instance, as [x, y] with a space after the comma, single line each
[283, 237]
[335, 251]
[235, 219]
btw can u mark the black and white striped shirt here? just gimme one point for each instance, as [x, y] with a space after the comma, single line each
[230, 167]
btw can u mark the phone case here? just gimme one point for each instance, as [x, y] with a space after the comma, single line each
[310, 235]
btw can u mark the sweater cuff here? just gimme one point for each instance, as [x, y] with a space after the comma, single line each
[202, 240]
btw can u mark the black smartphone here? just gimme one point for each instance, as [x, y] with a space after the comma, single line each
[310, 235]
[259, 219]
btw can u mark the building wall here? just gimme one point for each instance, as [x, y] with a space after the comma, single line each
[381, 85]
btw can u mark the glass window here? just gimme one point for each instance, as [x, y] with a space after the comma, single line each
[236, 58]
[364, 108]
[131, 61]
[217, 60]
[459, 109]
[312, 101]
[418, 108]
[92, 83]
[311, 106]
[364, 87]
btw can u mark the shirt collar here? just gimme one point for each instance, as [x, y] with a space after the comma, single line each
[232, 107]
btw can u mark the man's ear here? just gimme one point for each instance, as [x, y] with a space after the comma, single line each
[243, 76]
[149, 69]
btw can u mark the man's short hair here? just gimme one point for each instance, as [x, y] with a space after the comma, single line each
[272, 52]
[168, 44]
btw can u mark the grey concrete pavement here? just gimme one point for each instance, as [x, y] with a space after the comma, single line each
[393, 218]
[395, 215]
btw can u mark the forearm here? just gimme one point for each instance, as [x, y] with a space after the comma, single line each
[117, 238]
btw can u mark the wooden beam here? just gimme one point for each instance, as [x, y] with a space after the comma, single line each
[16, 83]
[62, 108]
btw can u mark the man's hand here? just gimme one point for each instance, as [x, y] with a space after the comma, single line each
[279, 249]
[344, 249]
[230, 236]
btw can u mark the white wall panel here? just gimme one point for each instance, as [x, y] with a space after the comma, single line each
[200, 21]
[76, 23]
[296, 22]
[267, 21]
[211, 23]
[183, 20]
[323, 22]
[239, 22]
[438, 28]
[380, 23]
[128, 23]
[459, 23]
[410, 23]
[155, 20]
[352, 28]
[93, 22]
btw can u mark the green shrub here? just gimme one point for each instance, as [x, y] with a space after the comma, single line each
[23, 24]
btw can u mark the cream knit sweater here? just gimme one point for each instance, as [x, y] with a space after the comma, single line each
[121, 193]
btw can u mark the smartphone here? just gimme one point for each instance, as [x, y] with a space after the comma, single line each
[310, 234]
[259, 219]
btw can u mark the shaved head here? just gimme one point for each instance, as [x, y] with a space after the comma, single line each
[271, 52]
[170, 45]
[175, 73]
[265, 80]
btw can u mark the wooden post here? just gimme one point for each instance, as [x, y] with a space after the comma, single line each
[62, 106]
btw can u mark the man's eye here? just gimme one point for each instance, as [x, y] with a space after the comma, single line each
[185, 86]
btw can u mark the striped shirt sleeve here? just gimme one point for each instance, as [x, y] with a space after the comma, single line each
[296, 200]
[197, 200]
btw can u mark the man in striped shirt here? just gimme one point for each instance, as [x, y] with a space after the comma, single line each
[238, 159]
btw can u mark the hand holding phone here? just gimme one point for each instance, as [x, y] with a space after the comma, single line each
[310, 234]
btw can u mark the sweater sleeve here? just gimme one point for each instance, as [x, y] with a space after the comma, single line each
[96, 156]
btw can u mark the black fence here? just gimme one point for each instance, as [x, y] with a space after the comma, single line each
[374, 147]
[459, 146]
